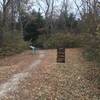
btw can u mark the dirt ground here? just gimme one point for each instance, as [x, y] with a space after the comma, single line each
[30, 76]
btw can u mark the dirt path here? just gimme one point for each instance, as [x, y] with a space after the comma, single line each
[38, 77]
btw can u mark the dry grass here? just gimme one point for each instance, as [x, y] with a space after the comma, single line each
[70, 81]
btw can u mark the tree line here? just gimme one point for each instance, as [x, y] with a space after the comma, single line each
[47, 23]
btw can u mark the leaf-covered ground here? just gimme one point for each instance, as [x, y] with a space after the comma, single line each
[77, 79]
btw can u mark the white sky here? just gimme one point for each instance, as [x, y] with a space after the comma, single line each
[72, 5]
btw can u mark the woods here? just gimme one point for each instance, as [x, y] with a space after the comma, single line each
[49, 49]
[49, 23]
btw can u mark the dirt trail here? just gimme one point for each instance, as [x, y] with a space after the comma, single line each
[43, 79]
[11, 84]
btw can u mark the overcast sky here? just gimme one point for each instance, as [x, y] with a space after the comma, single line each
[72, 6]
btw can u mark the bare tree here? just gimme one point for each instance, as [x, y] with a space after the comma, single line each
[48, 10]
[5, 4]
[89, 12]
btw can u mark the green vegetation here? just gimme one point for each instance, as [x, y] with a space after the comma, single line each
[13, 44]
[49, 29]
[59, 40]
[92, 47]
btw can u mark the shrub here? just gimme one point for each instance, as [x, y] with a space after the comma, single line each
[59, 40]
[92, 46]
[13, 43]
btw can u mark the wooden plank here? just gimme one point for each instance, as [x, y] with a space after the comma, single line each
[61, 55]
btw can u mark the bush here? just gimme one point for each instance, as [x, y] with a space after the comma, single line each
[59, 40]
[92, 46]
[12, 43]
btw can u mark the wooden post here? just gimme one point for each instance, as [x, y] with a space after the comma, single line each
[61, 55]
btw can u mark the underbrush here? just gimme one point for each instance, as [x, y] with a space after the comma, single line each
[13, 43]
[92, 47]
[59, 40]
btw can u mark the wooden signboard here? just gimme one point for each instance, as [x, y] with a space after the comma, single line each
[61, 55]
